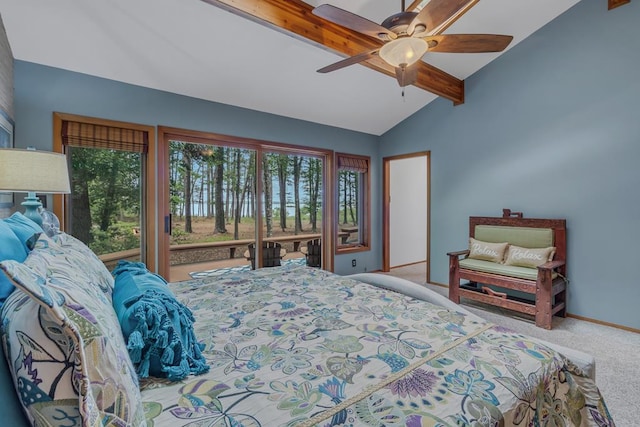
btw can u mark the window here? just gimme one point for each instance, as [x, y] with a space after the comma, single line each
[353, 206]
[106, 208]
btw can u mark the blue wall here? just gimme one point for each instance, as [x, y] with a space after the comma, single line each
[40, 90]
[552, 129]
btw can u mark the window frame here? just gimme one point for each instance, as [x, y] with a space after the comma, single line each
[166, 133]
[148, 245]
[364, 214]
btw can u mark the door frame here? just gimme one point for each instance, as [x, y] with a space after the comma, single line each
[386, 208]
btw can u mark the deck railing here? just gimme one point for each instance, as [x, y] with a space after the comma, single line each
[191, 253]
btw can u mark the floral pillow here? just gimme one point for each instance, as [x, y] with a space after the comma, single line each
[82, 257]
[40, 360]
[76, 327]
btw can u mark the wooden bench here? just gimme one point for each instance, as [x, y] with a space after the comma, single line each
[541, 291]
[231, 245]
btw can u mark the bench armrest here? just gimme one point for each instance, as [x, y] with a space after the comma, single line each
[551, 265]
[458, 253]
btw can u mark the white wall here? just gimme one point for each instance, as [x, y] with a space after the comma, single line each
[408, 211]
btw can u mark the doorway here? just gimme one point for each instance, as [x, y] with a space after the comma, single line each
[406, 210]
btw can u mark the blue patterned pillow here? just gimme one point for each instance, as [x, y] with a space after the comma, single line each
[76, 320]
[10, 248]
[24, 229]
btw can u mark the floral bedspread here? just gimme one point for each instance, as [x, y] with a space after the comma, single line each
[297, 346]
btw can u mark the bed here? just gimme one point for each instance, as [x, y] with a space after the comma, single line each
[284, 346]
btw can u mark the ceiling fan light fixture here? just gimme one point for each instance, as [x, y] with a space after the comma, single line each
[419, 28]
[405, 50]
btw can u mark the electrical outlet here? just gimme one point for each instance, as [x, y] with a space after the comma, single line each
[353, 263]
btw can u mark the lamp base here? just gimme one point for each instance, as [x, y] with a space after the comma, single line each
[31, 208]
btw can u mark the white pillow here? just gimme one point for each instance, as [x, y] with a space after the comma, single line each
[529, 257]
[486, 250]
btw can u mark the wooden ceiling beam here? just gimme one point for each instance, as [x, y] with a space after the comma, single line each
[615, 3]
[296, 18]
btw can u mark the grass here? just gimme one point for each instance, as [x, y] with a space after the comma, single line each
[203, 230]
[125, 234]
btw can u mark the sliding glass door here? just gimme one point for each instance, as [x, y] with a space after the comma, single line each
[211, 206]
[292, 202]
[233, 204]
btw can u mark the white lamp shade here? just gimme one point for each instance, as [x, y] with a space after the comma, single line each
[404, 50]
[33, 171]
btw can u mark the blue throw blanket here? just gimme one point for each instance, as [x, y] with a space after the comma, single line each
[157, 328]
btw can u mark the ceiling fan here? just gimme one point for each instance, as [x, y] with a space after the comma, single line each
[406, 36]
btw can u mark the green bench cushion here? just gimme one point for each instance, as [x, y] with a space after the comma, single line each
[501, 269]
[527, 237]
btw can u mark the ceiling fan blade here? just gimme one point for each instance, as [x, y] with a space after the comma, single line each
[438, 15]
[407, 75]
[348, 61]
[468, 43]
[352, 21]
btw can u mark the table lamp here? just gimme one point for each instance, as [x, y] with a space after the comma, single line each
[33, 171]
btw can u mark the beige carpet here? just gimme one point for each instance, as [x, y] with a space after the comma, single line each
[617, 352]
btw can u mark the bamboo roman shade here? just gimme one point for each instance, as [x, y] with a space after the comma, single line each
[353, 163]
[77, 134]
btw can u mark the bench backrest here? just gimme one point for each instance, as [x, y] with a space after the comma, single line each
[527, 237]
[525, 232]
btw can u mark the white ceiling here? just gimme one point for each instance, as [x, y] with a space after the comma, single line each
[192, 48]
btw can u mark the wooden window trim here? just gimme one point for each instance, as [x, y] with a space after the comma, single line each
[149, 175]
[355, 163]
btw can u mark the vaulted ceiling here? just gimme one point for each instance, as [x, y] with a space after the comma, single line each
[259, 54]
